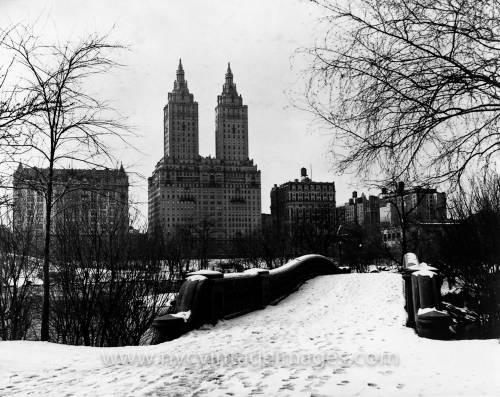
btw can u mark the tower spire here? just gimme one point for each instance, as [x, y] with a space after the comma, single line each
[180, 118]
[180, 84]
[229, 74]
[180, 72]
[231, 116]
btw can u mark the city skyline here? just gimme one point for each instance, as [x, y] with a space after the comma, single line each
[206, 37]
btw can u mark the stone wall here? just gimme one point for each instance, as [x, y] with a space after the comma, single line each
[207, 296]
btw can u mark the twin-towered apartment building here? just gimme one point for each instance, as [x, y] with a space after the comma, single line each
[220, 193]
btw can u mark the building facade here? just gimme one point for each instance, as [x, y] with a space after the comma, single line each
[422, 211]
[187, 190]
[361, 211]
[90, 198]
[303, 202]
[422, 205]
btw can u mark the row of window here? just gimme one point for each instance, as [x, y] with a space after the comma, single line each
[310, 197]
[392, 236]
[311, 187]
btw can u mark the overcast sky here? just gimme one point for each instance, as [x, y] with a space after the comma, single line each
[258, 37]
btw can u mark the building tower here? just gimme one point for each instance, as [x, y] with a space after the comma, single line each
[219, 196]
[231, 123]
[180, 117]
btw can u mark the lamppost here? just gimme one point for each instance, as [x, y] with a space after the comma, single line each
[339, 241]
[361, 264]
[397, 193]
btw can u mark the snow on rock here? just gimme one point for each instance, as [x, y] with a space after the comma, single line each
[422, 267]
[184, 315]
[255, 270]
[338, 335]
[426, 273]
[196, 277]
[204, 272]
[428, 310]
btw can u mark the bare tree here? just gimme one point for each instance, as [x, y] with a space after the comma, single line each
[409, 87]
[19, 270]
[314, 231]
[469, 252]
[203, 233]
[104, 294]
[15, 105]
[177, 249]
[69, 124]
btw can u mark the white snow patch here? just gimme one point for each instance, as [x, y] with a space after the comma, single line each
[203, 272]
[422, 266]
[184, 315]
[427, 273]
[255, 271]
[196, 277]
[428, 310]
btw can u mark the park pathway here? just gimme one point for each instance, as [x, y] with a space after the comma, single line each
[338, 335]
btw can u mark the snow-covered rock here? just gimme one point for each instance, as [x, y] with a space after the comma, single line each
[184, 315]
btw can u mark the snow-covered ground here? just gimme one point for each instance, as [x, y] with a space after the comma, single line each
[338, 335]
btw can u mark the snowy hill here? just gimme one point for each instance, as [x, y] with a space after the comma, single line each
[338, 335]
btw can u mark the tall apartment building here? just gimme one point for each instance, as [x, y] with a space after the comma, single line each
[96, 198]
[187, 190]
[362, 211]
[303, 202]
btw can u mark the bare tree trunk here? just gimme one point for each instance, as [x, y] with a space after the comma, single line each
[44, 332]
[404, 243]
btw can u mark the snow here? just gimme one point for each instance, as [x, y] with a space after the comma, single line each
[184, 315]
[423, 266]
[428, 310]
[338, 335]
[196, 277]
[425, 272]
[25, 281]
[410, 259]
[255, 271]
[204, 272]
